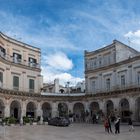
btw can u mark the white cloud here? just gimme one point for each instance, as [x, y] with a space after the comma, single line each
[49, 74]
[135, 34]
[134, 39]
[56, 66]
[58, 61]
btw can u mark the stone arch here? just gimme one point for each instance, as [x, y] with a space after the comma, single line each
[94, 108]
[31, 109]
[137, 107]
[124, 108]
[46, 110]
[2, 106]
[109, 108]
[62, 109]
[79, 112]
[15, 109]
[78, 108]
[62, 90]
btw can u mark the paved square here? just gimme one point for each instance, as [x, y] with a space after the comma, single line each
[74, 132]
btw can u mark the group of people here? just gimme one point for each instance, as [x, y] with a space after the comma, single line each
[108, 126]
[84, 117]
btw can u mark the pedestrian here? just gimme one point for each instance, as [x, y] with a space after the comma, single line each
[109, 123]
[117, 125]
[130, 123]
[106, 125]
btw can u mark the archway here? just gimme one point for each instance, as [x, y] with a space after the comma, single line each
[124, 110]
[1, 109]
[79, 112]
[31, 110]
[109, 108]
[94, 108]
[95, 112]
[138, 109]
[46, 109]
[15, 109]
[62, 109]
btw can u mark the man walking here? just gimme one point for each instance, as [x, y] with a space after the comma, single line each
[117, 125]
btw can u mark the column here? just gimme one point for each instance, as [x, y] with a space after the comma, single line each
[116, 106]
[132, 108]
[100, 82]
[114, 81]
[70, 107]
[23, 109]
[7, 109]
[39, 110]
[102, 106]
[8, 79]
[54, 109]
[129, 75]
[87, 106]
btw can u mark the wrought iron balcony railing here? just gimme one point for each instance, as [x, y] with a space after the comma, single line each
[18, 61]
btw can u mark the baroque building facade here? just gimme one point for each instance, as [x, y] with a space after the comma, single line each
[113, 74]
[111, 78]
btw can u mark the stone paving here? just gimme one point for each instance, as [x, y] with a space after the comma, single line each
[73, 132]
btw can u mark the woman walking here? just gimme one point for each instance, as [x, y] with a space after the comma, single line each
[106, 125]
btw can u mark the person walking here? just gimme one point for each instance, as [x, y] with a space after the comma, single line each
[109, 123]
[117, 125]
[106, 125]
[130, 123]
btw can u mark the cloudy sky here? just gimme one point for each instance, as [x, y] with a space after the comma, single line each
[63, 29]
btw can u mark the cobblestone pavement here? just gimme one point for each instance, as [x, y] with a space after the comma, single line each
[73, 132]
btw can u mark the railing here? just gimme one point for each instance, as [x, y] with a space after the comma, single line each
[18, 61]
[116, 88]
[63, 94]
[99, 66]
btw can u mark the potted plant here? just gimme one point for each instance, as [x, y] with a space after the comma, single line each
[12, 121]
[26, 120]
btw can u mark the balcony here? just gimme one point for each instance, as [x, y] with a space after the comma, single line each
[11, 59]
[116, 89]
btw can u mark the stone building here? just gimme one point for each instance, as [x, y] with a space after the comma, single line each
[20, 72]
[113, 74]
[54, 87]
[112, 78]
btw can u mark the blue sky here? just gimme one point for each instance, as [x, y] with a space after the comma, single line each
[63, 29]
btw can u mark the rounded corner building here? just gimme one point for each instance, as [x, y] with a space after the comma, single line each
[112, 80]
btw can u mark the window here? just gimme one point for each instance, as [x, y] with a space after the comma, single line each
[31, 85]
[122, 80]
[2, 51]
[108, 84]
[1, 79]
[138, 78]
[16, 82]
[107, 59]
[100, 61]
[17, 57]
[32, 61]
